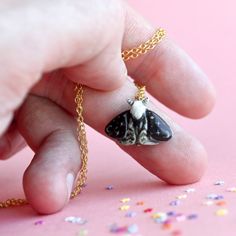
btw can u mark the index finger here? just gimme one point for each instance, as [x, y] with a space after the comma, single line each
[169, 74]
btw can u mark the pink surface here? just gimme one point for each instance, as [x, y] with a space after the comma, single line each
[206, 29]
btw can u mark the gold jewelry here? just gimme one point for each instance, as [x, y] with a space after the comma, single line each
[144, 47]
[139, 125]
[81, 132]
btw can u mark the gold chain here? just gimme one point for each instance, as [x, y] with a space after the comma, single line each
[82, 141]
[144, 47]
[81, 132]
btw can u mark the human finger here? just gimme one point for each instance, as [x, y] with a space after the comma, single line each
[51, 133]
[169, 74]
[181, 160]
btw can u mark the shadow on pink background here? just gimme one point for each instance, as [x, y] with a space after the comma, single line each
[206, 29]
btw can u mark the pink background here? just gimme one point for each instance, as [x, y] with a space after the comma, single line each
[206, 29]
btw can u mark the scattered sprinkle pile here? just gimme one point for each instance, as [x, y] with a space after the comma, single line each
[168, 220]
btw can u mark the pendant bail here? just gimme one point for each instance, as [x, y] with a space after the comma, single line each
[140, 95]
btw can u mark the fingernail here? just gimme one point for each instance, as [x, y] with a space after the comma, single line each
[70, 182]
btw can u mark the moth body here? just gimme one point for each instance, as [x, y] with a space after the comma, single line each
[138, 126]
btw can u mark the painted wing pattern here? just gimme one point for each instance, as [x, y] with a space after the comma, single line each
[149, 130]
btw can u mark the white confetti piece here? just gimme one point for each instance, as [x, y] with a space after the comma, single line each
[75, 220]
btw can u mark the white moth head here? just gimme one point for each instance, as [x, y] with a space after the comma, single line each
[138, 107]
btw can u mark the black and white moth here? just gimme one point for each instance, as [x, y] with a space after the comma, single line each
[138, 125]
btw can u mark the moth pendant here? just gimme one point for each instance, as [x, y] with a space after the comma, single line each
[138, 126]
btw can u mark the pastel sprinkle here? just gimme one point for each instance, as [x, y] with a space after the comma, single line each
[75, 220]
[176, 233]
[115, 229]
[213, 196]
[221, 203]
[219, 182]
[174, 203]
[133, 229]
[192, 216]
[82, 232]
[222, 212]
[160, 217]
[38, 222]
[232, 189]
[208, 203]
[124, 200]
[141, 203]
[190, 190]
[166, 225]
[124, 207]
[182, 196]
[180, 217]
[130, 214]
[171, 213]
[148, 210]
[109, 187]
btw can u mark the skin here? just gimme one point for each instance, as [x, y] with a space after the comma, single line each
[46, 46]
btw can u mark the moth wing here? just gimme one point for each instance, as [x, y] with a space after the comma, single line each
[118, 126]
[158, 129]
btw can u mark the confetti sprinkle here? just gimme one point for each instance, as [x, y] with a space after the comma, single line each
[148, 210]
[124, 200]
[174, 203]
[39, 222]
[180, 217]
[221, 203]
[214, 196]
[167, 225]
[171, 213]
[130, 214]
[192, 216]
[124, 207]
[208, 203]
[190, 190]
[82, 232]
[219, 182]
[182, 196]
[176, 233]
[132, 229]
[109, 187]
[75, 220]
[221, 212]
[232, 189]
[141, 203]
[115, 229]
[160, 217]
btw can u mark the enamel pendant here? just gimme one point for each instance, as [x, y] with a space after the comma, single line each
[139, 125]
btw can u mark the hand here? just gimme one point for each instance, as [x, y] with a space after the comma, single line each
[45, 47]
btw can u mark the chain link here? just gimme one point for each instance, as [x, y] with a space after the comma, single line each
[144, 47]
[81, 131]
